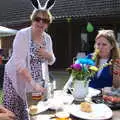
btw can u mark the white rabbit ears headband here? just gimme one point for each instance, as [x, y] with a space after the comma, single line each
[48, 5]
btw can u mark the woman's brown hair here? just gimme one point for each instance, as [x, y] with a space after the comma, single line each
[110, 36]
[45, 13]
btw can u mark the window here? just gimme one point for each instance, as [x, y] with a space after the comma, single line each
[83, 42]
[118, 38]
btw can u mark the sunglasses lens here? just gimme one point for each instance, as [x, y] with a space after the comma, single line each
[46, 20]
[38, 19]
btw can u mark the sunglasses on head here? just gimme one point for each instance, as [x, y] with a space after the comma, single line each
[44, 20]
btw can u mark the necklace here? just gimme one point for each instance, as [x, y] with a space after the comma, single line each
[39, 40]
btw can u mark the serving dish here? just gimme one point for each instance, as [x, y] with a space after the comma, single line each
[112, 104]
[41, 107]
[109, 96]
[99, 112]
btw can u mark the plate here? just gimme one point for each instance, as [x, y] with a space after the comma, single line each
[55, 103]
[93, 92]
[99, 112]
[41, 107]
[60, 98]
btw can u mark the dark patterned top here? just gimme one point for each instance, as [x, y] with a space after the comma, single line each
[36, 63]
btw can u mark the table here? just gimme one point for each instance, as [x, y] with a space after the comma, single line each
[116, 113]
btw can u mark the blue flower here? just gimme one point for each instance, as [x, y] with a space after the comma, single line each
[84, 68]
[85, 61]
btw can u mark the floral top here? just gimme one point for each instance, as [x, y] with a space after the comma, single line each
[36, 63]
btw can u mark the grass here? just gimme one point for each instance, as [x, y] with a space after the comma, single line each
[61, 78]
[1, 96]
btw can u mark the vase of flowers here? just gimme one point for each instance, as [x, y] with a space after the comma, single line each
[81, 71]
[80, 90]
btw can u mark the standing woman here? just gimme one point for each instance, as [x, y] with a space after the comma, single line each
[106, 43]
[23, 72]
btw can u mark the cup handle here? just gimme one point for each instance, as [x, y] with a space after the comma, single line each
[70, 90]
[68, 83]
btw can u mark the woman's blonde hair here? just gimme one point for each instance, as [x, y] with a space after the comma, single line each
[115, 54]
[45, 13]
[110, 36]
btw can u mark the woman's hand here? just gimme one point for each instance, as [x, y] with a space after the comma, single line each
[5, 114]
[24, 74]
[37, 86]
[44, 54]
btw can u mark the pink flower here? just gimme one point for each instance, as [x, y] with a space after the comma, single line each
[76, 66]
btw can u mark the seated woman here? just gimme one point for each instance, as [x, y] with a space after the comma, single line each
[106, 43]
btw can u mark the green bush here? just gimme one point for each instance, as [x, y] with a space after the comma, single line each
[1, 96]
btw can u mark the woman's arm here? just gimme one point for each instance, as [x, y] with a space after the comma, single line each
[47, 52]
[20, 52]
[5, 114]
[50, 49]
